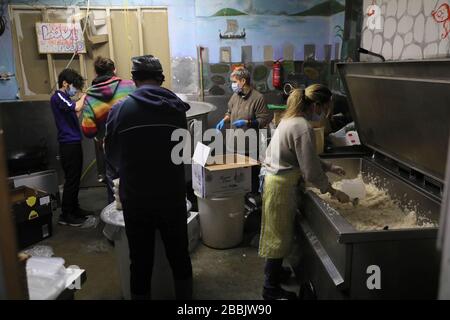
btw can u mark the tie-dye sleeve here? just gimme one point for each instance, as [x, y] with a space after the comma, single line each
[88, 124]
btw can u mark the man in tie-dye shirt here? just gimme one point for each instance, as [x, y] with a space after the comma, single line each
[107, 89]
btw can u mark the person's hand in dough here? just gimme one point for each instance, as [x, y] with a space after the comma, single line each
[341, 196]
[337, 170]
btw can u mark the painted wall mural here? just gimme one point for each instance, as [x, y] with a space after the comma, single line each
[442, 15]
[414, 29]
[259, 23]
[207, 8]
[258, 32]
[253, 31]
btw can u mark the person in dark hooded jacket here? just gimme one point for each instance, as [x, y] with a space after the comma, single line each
[107, 89]
[152, 187]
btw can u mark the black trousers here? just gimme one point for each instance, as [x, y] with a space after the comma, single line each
[105, 169]
[140, 226]
[272, 272]
[255, 178]
[110, 175]
[72, 165]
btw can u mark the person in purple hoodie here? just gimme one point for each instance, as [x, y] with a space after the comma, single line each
[152, 187]
[66, 113]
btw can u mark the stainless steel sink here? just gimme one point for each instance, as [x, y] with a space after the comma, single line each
[333, 258]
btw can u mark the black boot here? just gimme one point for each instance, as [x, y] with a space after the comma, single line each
[183, 289]
[82, 213]
[285, 274]
[278, 293]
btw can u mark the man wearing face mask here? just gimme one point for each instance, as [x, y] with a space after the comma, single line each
[66, 112]
[247, 109]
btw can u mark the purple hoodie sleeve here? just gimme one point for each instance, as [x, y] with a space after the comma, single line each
[64, 103]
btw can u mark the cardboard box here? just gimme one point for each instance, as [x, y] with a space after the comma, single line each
[33, 215]
[220, 176]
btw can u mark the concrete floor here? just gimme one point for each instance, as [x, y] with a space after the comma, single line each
[235, 274]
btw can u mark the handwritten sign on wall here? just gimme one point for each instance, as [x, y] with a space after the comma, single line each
[60, 38]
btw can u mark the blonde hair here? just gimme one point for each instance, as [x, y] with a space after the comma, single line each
[318, 93]
[298, 103]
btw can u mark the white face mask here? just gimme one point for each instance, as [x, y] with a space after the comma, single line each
[235, 87]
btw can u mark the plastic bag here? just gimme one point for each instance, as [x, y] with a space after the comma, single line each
[111, 215]
[111, 232]
[100, 246]
[39, 251]
[90, 223]
[46, 277]
[116, 183]
[339, 138]
[46, 267]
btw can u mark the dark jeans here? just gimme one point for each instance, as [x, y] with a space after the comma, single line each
[255, 178]
[140, 227]
[105, 169]
[72, 165]
[110, 176]
[272, 272]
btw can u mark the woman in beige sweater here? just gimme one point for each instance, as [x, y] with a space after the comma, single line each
[290, 157]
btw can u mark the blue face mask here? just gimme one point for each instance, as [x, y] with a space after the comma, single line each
[313, 117]
[308, 117]
[72, 91]
[316, 117]
[235, 87]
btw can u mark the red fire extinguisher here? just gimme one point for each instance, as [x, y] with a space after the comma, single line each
[276, 77]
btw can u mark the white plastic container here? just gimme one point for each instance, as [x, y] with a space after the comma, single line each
[222, 221]
[354, 188]
[45, 277]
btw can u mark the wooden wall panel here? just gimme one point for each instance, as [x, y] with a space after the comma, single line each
[156, 39]
[101, 50]
[61, 61]
[98, 49]
[125, 37]
[132, 32]
[32, 68]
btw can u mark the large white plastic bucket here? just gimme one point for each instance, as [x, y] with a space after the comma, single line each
[222, 221]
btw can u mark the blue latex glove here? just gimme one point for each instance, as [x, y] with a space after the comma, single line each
[240, 123]
[220, 125]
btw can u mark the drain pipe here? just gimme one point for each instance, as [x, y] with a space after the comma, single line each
[200, 59]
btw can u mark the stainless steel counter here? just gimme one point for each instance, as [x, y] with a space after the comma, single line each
[333, 257]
